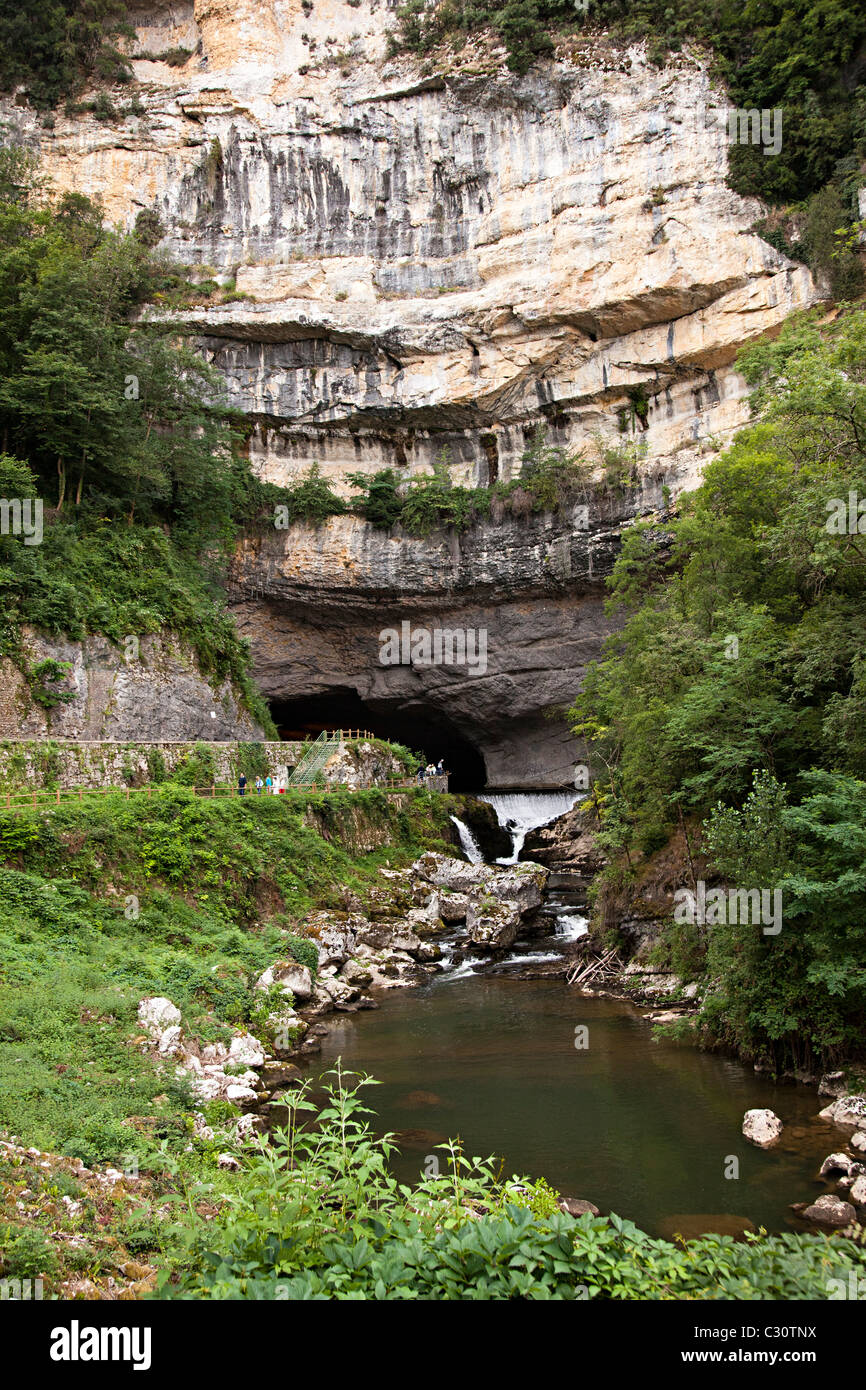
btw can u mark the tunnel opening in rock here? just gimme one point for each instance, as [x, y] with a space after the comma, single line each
[424, 730]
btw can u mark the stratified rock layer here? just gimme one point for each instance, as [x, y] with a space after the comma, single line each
[440, 256]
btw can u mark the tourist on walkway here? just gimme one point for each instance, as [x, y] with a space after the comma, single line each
[259, 786]
[242, 785]
[269, 785]
[421, 774]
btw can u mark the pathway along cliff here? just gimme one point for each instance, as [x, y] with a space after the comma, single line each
[496, 1048]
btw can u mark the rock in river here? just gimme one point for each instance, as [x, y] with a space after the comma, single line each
[828, 1211]
[761, 1127]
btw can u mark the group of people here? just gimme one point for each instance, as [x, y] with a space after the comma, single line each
[432, 770]
[267, 786]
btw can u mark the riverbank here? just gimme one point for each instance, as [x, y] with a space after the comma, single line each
[153, 1032]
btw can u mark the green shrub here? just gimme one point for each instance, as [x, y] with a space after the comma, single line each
[311, 499]
[466, 1234]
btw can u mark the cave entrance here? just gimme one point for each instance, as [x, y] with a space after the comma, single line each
[424, 730]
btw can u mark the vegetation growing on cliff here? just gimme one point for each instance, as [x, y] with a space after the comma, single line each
[121, 429]
[550, 479]
[50, 47]
[803, 57]
[742, 655]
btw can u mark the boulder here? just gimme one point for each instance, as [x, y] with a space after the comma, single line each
[453, 907]
[335, 935]
[830, 1211]
[241, 1095]
[229, 1162]
[761, 1127]
[249, 1125]
[333, 993]
[858, 1192]
[204, 1087]
[577, 1206]
[858, 1142]
[274, 1074]
[285, 1028]
[832, 1083]
[847, 1110]
[355, 972]
[246, 1050]
[396, 937]
[522, 884]
[169, 1041]
[156, 1014]
[428, 951]
[292, 978]
[836, 1163]
[393, 969]
[492, 924]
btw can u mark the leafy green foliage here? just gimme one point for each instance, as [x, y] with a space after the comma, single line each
[53, 46]
[550, 477]
[120, 424]
[433, 501]
[804, 57]
[44, 679]
[311, 499]
[75, 960]
[741, 654]
[797, 998]
[380, 501]
[318, 1215]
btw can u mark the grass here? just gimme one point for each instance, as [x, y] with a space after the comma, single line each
[104, 903]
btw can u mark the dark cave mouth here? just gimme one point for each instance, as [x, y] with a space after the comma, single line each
[425, 731]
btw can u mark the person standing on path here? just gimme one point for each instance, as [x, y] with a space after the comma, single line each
[259, 786]
[242, 784]
[269, 785]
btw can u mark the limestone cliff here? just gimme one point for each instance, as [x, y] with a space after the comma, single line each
[158, 694]
[439, 255]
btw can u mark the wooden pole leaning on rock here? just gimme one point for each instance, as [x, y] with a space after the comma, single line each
[602, 965]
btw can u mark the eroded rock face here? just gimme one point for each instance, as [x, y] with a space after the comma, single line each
[440, 257]
[160, 694]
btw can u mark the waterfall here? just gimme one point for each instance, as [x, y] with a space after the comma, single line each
[570, 926]
[468, 843]
[520, 812]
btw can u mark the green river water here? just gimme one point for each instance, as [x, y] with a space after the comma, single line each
[645, 1128]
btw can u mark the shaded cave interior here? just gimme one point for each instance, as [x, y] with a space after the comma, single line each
[423, 729]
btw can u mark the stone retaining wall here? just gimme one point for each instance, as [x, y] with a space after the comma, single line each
[28, 764]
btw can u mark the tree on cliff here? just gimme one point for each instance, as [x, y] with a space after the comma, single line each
[51, 46]
[123, 429]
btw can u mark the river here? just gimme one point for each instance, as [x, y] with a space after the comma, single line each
[646, 1128]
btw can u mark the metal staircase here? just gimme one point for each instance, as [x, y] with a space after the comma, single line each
[314, 760]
